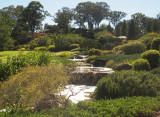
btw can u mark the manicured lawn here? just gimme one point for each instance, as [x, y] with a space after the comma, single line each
[5, 54]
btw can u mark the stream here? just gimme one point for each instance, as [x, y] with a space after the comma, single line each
[76, 92]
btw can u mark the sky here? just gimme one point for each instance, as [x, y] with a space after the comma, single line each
[148, 7]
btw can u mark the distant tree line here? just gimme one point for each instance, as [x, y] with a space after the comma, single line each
[19, 24]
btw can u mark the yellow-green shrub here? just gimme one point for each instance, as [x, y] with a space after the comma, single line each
[141, 64]
[28, 87]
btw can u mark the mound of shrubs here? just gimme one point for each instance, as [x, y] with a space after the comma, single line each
[156, 44]
[134, 48]
[127, 84]
[156, 71]
[94, 52]
[153, 57]
[141, 64]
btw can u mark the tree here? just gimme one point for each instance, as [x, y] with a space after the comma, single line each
[6, 24]
[132, 33]
[33, 15]
[115, 17]
[63, 18]
[91, 13]
[124, 28]
[140, 20]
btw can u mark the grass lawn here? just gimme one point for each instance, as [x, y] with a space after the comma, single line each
[5, 54]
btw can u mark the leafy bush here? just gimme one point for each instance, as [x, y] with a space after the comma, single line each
[134, 48]
[31, 85]
[156, 44]
[153, 57]
[141, 64]
[123, 66]
[41, 48]
[73, 46]
[40, 41]
[127, 84]
[94, 52]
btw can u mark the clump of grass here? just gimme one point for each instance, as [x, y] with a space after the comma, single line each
[14, 64]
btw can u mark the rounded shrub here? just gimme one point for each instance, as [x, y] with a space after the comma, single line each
[156, 44]
[94, 52]
[153, 57]
[141, 64]
[156, 71]
[108, 46]
[134, 48]
[127, 84]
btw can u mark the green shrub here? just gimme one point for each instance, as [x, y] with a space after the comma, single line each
[148, 38]
[41, 48]
[40, 41]
[94, 52]
[121, 107]
[153, 57]
[134, 48]
[32, 84]
[156, 44]
[141, 64]
[107, 46]
[14, 64]
[65, 54]
[117, 58]
[156, 71]
[127, 84]
[73, 46]
[51, 48]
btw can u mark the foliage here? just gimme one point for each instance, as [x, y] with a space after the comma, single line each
[22, 90]
[122, 107]
[127, 84]
[133, 48]
[156, 44]
[153, 57]
[61, 42]
[14, 64]
[132, 31]
[91, 13]
[41, 48]
[93, 51]
[115, 17]
[117, 58]
[33, 16]
[156, 71]
[5, 54]
[40, 41]
[63, 18]
[107, 46]
[73, 46]
[51, 48]
[65, 54]
[148, 38]
[6, 24]
[141, 64]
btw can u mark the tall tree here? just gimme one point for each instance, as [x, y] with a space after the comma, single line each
[124, 28]
[91, 13]
[64, 17]
[33, 15]
[132, 33]
[6, 24]
[115, 17]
